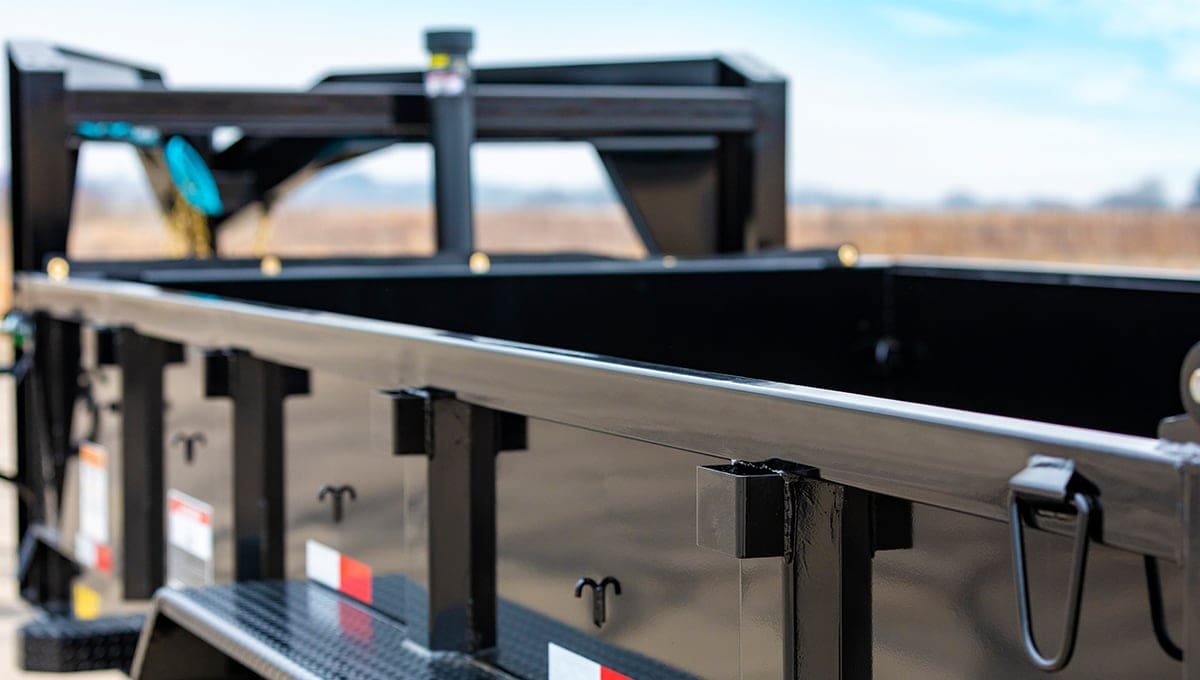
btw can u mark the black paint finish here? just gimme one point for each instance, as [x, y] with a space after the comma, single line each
[142, 360]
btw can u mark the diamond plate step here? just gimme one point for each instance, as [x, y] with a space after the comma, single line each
[66, 645]
[292, 629]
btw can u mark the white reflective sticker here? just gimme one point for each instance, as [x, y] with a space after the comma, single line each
[323, 564]
[85, 551]
[93, 492]
[444, 84]
[567, 665]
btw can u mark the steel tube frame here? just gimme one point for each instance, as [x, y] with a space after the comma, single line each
[501, 111]
[951, 459]
[258, 389]
[461, 481]
[734, 186]
[830, 589]
[452, 131]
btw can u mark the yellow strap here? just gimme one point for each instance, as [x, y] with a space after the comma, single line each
[187, 230]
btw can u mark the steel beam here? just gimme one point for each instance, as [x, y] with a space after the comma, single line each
[502, 111]
[363, 110]
[55, 387]
[43, 169]
[599, 110]
[142, 360]
[830, 589]
[451, 95]
[462, 450]
[758, 162]
[258, 388]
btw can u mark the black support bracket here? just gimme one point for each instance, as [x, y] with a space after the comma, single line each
[824, 532]
[740, 510]
[258, 388]
[142, 360]
[461, 441]
[410, 433]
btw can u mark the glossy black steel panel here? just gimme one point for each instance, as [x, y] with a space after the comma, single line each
[331, 441]
[947, 607]
[1053, 348]
[806, 326]
[580, 504]
[670, 196]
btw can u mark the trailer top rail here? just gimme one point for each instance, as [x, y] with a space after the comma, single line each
[948, 458]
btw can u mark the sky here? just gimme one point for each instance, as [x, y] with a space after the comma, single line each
[1003, 99]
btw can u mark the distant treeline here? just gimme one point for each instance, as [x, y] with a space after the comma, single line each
[360, 189]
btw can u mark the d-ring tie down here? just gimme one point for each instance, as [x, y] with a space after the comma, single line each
[1049, 483]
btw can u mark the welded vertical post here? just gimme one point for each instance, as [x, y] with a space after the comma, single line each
[258, 389]
[57, 387]
[462, 525]
[448, 87]
[43, 167]
[45, 406]
[831, 580]
[766, 224]
[142, 360]
[42, 180]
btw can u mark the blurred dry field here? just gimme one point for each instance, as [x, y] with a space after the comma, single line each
[1139, 238]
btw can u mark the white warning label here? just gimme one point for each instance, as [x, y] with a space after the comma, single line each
[93, 492]
[189, 541]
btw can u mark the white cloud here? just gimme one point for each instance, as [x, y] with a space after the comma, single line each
[1090, 77]
[1112, 87]
[862, 124]
[1173, 25]
[1156, 18]
[1186, 65]
[928, 24]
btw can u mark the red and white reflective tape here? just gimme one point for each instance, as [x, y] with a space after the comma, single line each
[567, 665]
[334, 570]
[93, 555]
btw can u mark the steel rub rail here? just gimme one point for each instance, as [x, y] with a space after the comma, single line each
[947, 458]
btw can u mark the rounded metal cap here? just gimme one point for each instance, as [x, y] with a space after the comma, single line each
[449, 40]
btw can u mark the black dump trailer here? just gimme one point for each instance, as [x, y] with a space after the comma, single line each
[725, 460]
